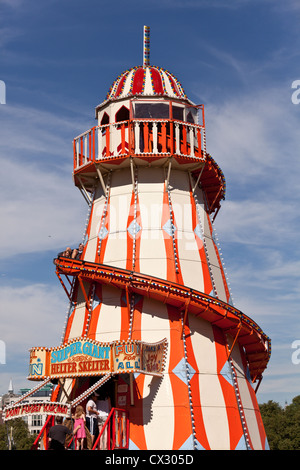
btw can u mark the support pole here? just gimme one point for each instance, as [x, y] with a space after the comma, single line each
[101, 180]
[132, 173]
[131, 390]
[185, 315]
[83, 291]
[234, 341]
[87, 196]
[257, 386]
[168, 175]
[198, 179]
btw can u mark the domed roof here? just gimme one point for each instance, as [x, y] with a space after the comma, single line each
[145, 81]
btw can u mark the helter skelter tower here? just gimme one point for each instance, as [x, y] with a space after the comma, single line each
[151, 281]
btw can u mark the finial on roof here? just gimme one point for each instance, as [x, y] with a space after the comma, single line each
[146, 46]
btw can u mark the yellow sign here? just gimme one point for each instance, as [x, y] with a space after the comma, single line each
[84, 357]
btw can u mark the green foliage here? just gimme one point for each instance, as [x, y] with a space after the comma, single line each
[14, 435]
[3, 437]
[282, 425]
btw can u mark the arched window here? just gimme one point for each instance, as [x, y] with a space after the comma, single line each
[122, 114]
[105, 119]
[104, 122]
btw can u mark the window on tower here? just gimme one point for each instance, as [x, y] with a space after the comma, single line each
[122, 114]
[104, 122]
[191, 115]
[105, 119]
[177, 113]
[151, 110]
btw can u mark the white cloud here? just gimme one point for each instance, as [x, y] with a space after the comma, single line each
[254, 222]
[255, 140]
[40, 207]
[40, 210]
[12, 3]
[28, 310]
[27, 129]
[255, 134]
[31, 315]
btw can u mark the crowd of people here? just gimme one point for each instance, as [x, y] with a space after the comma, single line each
[83, 429]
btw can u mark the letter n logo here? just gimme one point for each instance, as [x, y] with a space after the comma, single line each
[36, 369]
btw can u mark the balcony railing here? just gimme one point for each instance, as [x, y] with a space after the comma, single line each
[141, 138]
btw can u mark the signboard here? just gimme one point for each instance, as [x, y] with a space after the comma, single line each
[153, 357]
[84, 357]
[49, 408]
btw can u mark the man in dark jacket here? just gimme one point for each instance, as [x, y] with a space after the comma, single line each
[57, 435]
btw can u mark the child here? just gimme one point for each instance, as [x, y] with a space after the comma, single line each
[79, 430]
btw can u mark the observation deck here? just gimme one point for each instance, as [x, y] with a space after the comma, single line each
[148, 142]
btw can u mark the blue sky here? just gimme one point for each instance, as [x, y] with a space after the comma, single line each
[239, 58]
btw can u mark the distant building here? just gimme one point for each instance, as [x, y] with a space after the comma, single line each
[34, 422]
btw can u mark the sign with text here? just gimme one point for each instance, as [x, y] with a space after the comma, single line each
[84, 357]
[49, 408]
[153, 357]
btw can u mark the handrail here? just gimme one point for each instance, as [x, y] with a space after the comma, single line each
[48, 423]
[114, 438]
[139, 137]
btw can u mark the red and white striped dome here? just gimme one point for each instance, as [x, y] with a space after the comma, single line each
[146, 81]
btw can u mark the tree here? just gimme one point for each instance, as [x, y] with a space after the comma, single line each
[14, 435]
[273, 418]
[282, 425]
[3, 437]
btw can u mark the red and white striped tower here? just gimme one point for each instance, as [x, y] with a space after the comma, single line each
[151, 271]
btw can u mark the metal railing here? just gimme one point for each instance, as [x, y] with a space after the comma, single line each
[139, 137]
[114, 433]
[41, 440]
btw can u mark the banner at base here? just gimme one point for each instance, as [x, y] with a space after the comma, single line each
[49, 408]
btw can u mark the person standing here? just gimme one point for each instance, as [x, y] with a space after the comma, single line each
[91, 416]
[103, 407]
[57, 435]
[79, 427]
